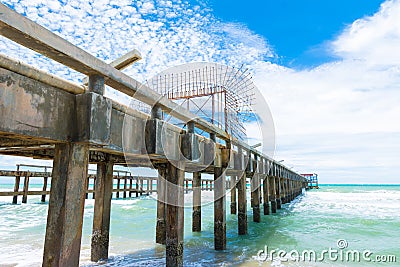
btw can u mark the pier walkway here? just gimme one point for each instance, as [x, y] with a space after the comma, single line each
[46, 117]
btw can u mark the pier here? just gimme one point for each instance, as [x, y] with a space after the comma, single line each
[45, 117]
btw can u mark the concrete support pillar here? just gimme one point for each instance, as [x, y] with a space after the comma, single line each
[233, 194]
[256, 198]
[175, 175]
[66, 204]
[278, 193]
[219, 209]
[272, 195]
[242, 205]
[161, 205]
[266, 195]
[196, 216]
[284, 193]
[102, 210]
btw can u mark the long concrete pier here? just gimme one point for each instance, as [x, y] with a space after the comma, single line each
[46, 117]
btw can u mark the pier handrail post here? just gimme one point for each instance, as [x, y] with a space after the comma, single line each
[16, 186]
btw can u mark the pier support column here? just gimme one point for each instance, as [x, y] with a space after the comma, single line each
[196, 216]
[266, 197]
[175, 175]
[256, 198]
[102, 210]
[219, 209]
[272, 195]
[233, 194]
[242, 205]
[67, 198]
[161, 205]
[278, 193]
[284, 191]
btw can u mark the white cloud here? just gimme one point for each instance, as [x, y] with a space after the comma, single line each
[339, 116]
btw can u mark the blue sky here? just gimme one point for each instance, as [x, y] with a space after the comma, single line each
[329, 70]
[297, 30]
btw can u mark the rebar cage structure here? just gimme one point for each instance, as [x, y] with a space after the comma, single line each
[220, 94]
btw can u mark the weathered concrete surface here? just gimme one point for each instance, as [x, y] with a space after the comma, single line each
[266, 195]
[219, 209]
[233, 194]
[161, 205]
[196, 217]
[31, 108]
[65, 215]
[175, 174]
[102, 210]
[93, 118]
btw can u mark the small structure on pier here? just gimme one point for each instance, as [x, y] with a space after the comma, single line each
[312, 180]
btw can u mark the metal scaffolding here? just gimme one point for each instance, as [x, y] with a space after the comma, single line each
[220, 94]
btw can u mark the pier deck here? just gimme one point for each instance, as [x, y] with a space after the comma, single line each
[46, 117]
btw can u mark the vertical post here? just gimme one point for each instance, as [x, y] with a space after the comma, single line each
[118, 185]
[283, 190]
[137, 186]
[43, 199]
[242, 205]
[94, 187]
[161, 205]
[16, 187]
[125, 185]
[219, 209]
[187, 186]
[219, 204]
[233, 194]
[130, 186]
[196, 216]
[102, 210]
[256, 191]
[26, 187]
[272, 195]
[278, 193]
[87, 188]
[66, 204]
[242, 198]
[175, 175]
[265, 193]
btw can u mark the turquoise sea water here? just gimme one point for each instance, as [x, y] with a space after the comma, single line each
[366, 218]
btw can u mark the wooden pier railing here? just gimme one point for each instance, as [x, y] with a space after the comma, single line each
[123, 182]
